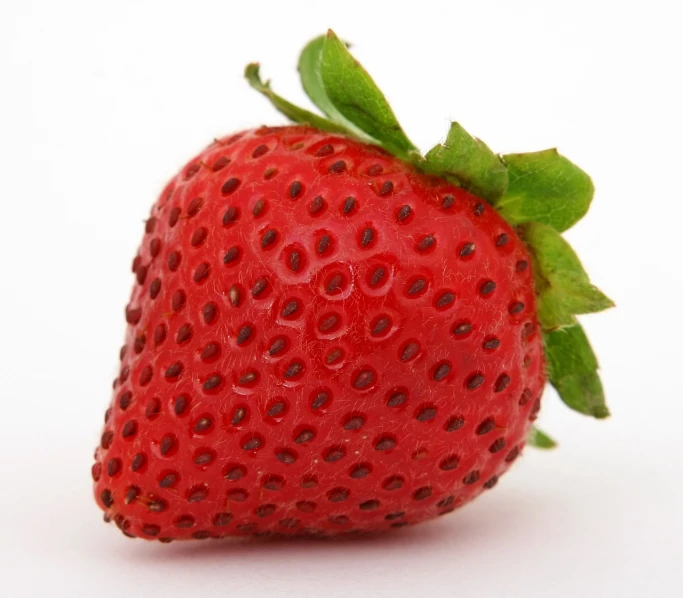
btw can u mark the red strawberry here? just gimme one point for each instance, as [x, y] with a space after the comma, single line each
[324, 338]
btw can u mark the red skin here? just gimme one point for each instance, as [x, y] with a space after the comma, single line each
[314, 494]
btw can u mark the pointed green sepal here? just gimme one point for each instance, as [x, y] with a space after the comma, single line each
[539, 439]
[469, 161]
[353, 94]
[573, 371]
[562, 285]
[312, 81]
[292, 112]
[545, 187]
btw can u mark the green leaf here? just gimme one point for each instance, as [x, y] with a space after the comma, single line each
[545, 187]
[292, 112]
[353, 93]
[312, 81]
[562, 284]
[573, 371]
[471, 162]
[540, 439]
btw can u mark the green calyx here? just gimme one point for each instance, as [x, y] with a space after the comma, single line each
[541, 193]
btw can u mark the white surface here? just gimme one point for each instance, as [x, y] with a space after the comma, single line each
[101, 102]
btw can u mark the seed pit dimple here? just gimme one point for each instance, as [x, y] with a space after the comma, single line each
[385, 443]
[277, 346]
[252, 443]
[486, 426]
[404, 214]
[220, 163]
[286, 456]
[447, 201]
[325, 150]
[360, 471]
[497, 445]
[425, 413]
[160, 334]
[209, 312]
[194, 206]
[259, 288]
[230, 186]
[369, 505]
[349, 205]
[449, 463]
[244, 334]
[486, 288]
[512, 455]
[233, 472]
[261, 150]
[393, 483]
[174, 216]
[212, 382]
[180, 405]
[203, 425]
[290, 309]
[441, 371]
[169, 479]
[515, 307]
[474, 381]
[232, 256]
[268, 239]
[168, 445]
[231, 215]
[184, 334]
[197, 494]
[113, 467]
[317, 206]
[154, 288]
[201, 273]
[204, 457]
[338, 494]
[422, 493]
[141, 274]
[386, 188]
[106, 439]
[145, 375]
[306, 506]
[364, 379]
[239, 415]
[396, 397]
[125, 399]
[337, 167]
[454, 423]
[305, 435]
[129, 429]
[478, 209]
[521, 265]
[133, 315]
[409, 351]
[320, 399]
[178, 300]
[199, 236]
[138, 463]
[155, 247]
[426, 244]
[324, 245]
[491, 343]
[210, 353]
[295, 189]
[416, 287]
[444, 300]
[471, 478]
[502, 383]
[380, 326]
[466, 250]
[354, 422]
[367, 237]
[334, 454]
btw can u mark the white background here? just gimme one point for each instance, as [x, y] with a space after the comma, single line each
[100, 102]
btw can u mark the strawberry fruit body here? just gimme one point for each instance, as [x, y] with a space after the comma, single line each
[324, 336]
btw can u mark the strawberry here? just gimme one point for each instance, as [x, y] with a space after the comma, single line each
[329, 332]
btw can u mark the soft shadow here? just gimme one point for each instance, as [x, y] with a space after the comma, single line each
[485, 521]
